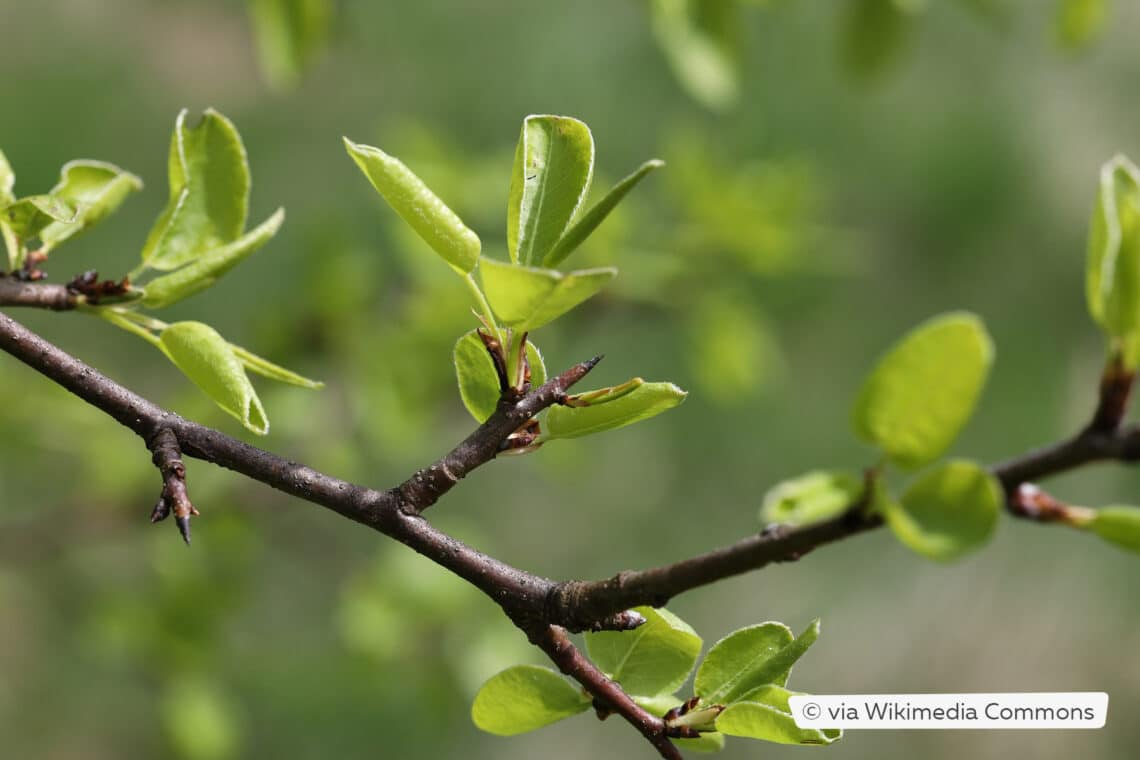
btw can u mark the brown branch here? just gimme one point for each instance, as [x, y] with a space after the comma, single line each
[15, 292]
[167, 457]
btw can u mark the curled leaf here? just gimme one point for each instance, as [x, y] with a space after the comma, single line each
[643, 401]
[95, 189]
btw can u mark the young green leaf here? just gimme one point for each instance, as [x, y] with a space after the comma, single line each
[7, 181]
[95, 189]
[811, 498]
[701, 44]
[207, 359]
[1112, 281]
[654, 658]
[644, 401]
[527, 298]
[554, 163]
[209, 193]
[524, 698]
[765, 714]
[205, 270]
[478, 380]
[266, 368]
[1119, 525]
[924, 389]
[749, 658]
[417, 205]
[27, 217]
[577, 233]
[947, 511]
[289, 33]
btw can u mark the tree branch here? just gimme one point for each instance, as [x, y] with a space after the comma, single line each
[15, 292]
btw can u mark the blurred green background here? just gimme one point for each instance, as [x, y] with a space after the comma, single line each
[791, 238]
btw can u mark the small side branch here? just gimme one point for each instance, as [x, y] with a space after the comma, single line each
[16, 292]
[167, 457]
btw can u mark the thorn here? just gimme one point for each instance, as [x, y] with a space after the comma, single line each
[593, 362]
[183, 524]
[161, 510]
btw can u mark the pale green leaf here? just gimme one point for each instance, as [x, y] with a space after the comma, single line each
[749, 658]
[708, 741]
[947, 511]
[527, 298]
[524, 698]
[654, 658]
[95, 189]
[761, 717]
[1119, 525]
[206, 358]
[577, 233]
[7, 181]
[645, 400]
[417, 205]
[554, 163]
[1112, 281]
[478, 380]
[810, 498]
[209, 193]
[266, 368]
[27, 217]
[924, 389]
[205, 270]
[701, 43]
[289, 34]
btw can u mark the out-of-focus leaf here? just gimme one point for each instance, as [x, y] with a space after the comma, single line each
[749, 658]
[700, 40]
[765, 714]
[946, 512]
[811, 498]
[554, 163]
[1080, 22]
[524, 698]
[527, 298]
[289, 35]
[199, 722]
[1119, 525]
[266, 368]
[206, 358]
[874, 35]
[731, 350]
[417, 205]
[577, 233]
[654, 658]
[95, 189]
[7, 181]
[27, 217]
[643, 401]
[924, 389]
[209, 193]
[205, 270]
[1112, 281]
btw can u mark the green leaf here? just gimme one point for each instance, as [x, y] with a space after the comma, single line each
[924, 389]
[1119, 525]
[765, 714]
[417, 205]
[1112, 282]
[7, 181]
[95, 189]
[581, 229]
[749, 658]
[654, 658]
[1080, 22]
[266, 368]
[289, 34]
[207, 359]
[209, 267]
[478, 380]
[524, 698]
[701, 43]
[947, 511]
[209, 193]
[708, 741]
[527, 298]
[645, 400]
[554, 163]
[811, 498]
[27, 217]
